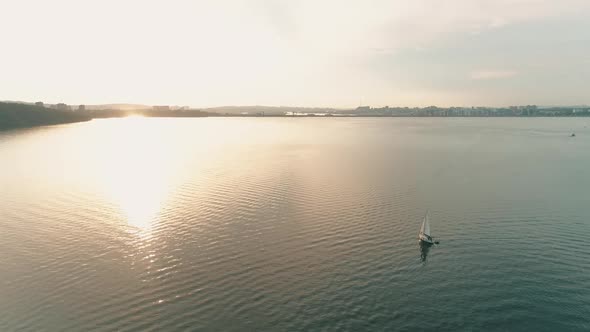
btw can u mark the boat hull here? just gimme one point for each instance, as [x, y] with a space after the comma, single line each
[423, 239]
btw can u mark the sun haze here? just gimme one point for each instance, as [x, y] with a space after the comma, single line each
[305, 53]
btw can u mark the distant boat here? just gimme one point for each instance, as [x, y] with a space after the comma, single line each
[573, 135]
[424, 235]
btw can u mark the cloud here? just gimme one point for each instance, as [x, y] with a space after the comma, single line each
[358, 28]
[492, 74]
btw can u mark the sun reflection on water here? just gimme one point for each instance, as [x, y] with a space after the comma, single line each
[137, 173]
[143, 160]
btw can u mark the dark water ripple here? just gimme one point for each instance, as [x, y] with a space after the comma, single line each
[275, 224]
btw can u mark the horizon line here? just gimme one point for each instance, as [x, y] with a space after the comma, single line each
[285, 106]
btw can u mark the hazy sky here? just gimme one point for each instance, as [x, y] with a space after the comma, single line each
[309, 53]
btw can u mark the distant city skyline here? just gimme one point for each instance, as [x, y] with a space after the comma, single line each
[131, 106]
[339, 54]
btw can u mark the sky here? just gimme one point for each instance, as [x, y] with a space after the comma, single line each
[324, 53]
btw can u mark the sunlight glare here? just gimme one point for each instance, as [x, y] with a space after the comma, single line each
[137, 170]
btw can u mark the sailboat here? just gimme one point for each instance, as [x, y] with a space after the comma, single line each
[424, 235]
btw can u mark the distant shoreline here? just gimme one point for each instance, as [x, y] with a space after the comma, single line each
[15, 116]
[18, 115]
[393, 116]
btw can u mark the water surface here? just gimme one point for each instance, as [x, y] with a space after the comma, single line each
[304, 224]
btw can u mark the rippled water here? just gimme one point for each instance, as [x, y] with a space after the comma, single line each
[295, 225]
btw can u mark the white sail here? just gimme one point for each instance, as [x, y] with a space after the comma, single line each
[426, 225]
[424, 235]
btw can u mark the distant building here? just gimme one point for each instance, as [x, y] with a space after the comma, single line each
[363, 108]
[39, 104]
[161, 108]
[62, 107]
[82, 108]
